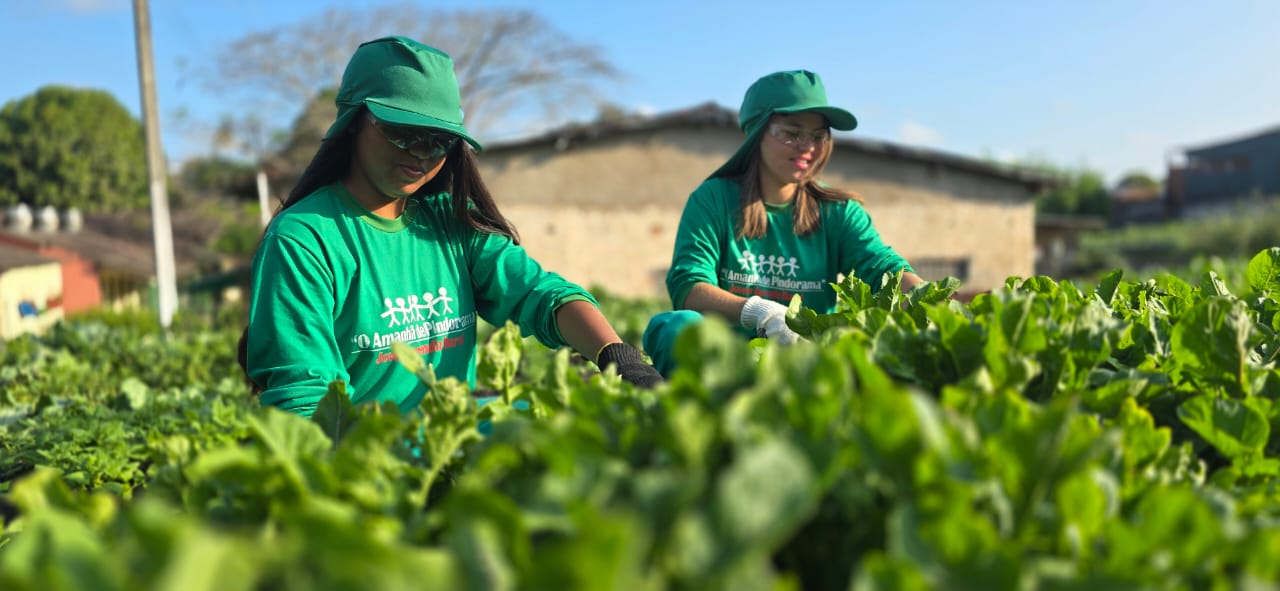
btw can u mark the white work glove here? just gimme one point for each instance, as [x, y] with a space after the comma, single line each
[768, 318]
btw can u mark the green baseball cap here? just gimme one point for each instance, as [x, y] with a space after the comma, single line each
[794, 91]
[403, 82]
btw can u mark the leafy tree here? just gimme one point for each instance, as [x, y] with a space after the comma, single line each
[1082, 193]
[220, 175]
[239, 238]
[72, 147]
[286, 163]
[1077, 192]
[1138, 179]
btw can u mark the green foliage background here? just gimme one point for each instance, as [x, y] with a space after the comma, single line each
[1233, 234]
[71, 147]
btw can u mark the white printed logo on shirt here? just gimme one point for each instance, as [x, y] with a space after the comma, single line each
[406, 310]
[416, 317]
[771, 272]
[771, 265]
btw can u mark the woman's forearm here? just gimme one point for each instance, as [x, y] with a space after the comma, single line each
[909, 280]
[584, 328]
[709, 299]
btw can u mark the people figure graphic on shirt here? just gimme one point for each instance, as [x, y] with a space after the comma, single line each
[392, 314]
[790, 266]
[414, 308]
[430, 304]
[445, 299]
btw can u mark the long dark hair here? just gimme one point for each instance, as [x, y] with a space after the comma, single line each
[806, 218]
[473, 205]
[460, 177]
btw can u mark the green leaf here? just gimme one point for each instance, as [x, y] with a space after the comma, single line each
[1213, 285]
[853, 294]
[1263, 272]
[961, 338]
[206, 561]
[1024, 326]
[889, 297]
[1175, 526]
[607, 551]
[1213, 341]
[881, 573]
[1176, 295]
[499, 359]
[1084, 503]
[930, 294]
[412, 360]
[135, 391]
[897, 352]
[488, 538]
[335, 413]
[1106, 289]
[288, 435]
[1237, 430]
[764, 495]
[797, 321]
[1143, 442]
[57, 550]
[713, 358]
[933, 292]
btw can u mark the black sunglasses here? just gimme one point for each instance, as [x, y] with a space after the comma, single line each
[415, 140]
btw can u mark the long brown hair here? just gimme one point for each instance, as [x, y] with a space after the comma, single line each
[473, 205]
[805, 214]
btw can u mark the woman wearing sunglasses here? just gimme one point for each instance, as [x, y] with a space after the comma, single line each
[762, 228]
[390, 235]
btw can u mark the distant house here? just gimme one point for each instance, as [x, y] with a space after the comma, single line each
[1224, 173]
[1138, 204]
[97, 269]
[600, 202]
[31, 292]
[1058, 242]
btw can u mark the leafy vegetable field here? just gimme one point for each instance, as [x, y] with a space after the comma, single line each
[1042, 436]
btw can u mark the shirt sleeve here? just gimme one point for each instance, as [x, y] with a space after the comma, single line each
[510, 285]
[862, 251]
[700, 240]
[292, 350]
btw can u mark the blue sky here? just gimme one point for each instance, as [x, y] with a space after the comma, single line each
[1110, 85]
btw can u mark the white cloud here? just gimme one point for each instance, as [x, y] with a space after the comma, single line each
[645, 110]
[914, 132]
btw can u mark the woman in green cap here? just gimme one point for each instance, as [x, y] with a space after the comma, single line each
[762, 228]
[390, 235]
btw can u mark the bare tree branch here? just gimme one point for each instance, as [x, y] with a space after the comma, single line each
[506, 60]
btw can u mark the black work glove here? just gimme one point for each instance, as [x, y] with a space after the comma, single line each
[630, 364]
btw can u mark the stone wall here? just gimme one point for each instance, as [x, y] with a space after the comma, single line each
[945, 214]
[625, 251]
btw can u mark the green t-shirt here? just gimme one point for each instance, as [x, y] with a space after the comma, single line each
[334, 285]
[779, 264]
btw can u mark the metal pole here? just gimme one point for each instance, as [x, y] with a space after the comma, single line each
[264, 206]
[166, 282]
